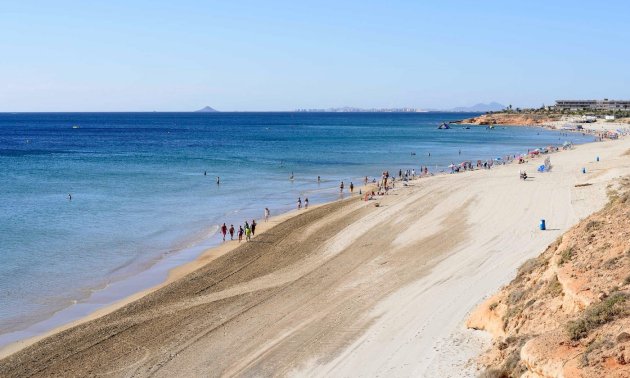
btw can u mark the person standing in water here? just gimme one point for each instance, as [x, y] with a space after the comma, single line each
[218, 180]
[299, 203]
[224, 231]
[69, 197]
[341, 187]
[319, 179]
[267, 214]
[306, 203]
[351, 187]
[231, 232]
[253, 227]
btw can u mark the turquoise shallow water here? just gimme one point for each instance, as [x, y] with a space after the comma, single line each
[139, 194]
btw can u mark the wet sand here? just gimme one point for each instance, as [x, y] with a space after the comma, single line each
[344, 289]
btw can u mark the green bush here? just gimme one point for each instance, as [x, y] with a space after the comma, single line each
[531, 265]
[592, 225]
[598, 314]
[566, 256]
[554, 288]
[611, 264]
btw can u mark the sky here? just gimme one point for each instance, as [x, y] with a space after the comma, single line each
[282, 55]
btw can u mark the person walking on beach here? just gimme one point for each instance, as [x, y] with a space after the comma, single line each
[253, 227]
[246, 225]
[231, 232]
[299, 203]
[351, 187]
[341, 187]
[240, 233]
[365, 180]
[266, 214]
[248, 233]
[224, 231]
[306, 203]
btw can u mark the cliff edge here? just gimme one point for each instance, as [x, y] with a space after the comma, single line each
[567, 312]
[520, 119]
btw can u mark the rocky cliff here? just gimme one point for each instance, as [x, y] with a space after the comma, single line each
[521, 119]
[567, 312]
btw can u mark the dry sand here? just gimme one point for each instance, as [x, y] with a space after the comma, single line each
[345, 289]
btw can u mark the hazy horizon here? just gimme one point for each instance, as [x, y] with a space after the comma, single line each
[282, 56]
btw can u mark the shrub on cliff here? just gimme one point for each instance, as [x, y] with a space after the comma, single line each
[598, 314]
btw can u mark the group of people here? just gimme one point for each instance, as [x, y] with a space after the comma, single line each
[342, 186]
[247, 230]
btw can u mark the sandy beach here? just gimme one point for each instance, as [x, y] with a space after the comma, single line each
[343, 289]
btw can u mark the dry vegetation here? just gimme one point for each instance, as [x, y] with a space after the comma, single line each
[572, 300]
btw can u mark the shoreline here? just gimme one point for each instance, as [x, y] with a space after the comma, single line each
[174, 271]
[174, 274]
[208, 255]
[543, 121]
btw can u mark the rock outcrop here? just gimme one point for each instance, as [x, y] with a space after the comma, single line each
[520, 119]
[567, 312]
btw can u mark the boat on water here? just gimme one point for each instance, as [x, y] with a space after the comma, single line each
[444, 126]
[76, 127]
[491, 127]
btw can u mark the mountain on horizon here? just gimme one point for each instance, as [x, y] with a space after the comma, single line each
[481, 107]
[206, 109]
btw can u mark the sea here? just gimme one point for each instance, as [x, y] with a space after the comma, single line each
[145, 198]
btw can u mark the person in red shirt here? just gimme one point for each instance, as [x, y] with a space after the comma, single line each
[224, 230]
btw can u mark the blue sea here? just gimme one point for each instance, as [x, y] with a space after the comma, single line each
[142, 204]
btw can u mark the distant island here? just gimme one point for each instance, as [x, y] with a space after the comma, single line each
[478, 108]
[206, 109]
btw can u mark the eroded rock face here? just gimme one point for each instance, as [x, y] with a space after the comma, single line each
[510, 119]
[567, 312]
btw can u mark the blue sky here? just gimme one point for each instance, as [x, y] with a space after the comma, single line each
[277, 55]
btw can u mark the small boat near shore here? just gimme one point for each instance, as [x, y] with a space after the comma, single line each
[444, 126]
